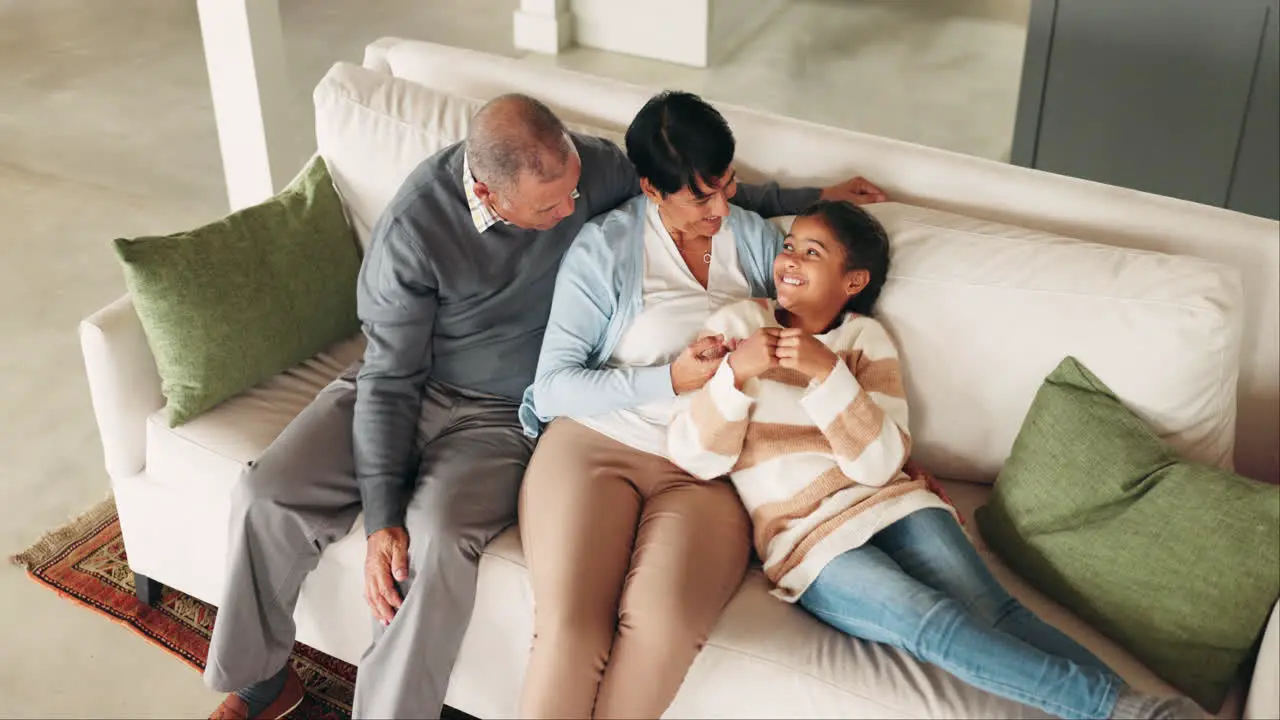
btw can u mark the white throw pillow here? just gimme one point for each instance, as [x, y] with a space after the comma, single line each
[373, 129]
[983, 311]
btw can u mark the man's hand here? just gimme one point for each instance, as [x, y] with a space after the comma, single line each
[385, 562]
[697, 363]
[798, 350]
[858, 191]
[753, 356]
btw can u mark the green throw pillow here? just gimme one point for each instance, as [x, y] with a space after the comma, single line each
[1178, 562]
[230, 304]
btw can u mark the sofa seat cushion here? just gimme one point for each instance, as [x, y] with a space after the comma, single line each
[208, 453]
[775, 660]
[840, 674]
[772, 658]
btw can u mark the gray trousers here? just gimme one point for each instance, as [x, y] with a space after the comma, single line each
[301, 495]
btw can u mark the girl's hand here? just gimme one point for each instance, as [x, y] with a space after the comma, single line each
[800, 351]
[752, 357]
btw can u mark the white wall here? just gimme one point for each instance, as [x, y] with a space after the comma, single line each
[543, 26]
[689, 32]
[733, 22]
[672, 30]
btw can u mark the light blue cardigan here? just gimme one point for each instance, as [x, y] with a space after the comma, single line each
[598, 295]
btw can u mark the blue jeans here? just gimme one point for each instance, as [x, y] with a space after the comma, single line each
[919, 585]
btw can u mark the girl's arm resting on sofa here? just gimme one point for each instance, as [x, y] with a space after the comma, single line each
[706, 434]
[565, 384]
[861, 408]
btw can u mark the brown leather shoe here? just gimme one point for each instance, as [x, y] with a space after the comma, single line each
[233, 708]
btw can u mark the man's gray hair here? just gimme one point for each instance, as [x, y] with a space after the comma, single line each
[514, 134]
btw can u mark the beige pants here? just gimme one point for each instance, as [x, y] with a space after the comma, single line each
[631, 560]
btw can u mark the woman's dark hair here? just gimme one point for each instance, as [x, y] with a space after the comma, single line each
[678, 139]
[866, 246]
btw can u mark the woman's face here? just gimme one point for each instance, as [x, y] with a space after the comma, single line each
[686, 213]
[810, 272]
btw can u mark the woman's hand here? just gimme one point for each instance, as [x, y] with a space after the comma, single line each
[800, 351]
[753, 356]
[697, 363]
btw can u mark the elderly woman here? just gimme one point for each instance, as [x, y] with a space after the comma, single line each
[631, 558]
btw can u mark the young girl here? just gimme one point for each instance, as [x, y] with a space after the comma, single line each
[808, 415]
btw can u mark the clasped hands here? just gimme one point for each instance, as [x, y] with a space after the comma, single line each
[765, 349]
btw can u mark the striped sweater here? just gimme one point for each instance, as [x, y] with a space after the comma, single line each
[818, 466]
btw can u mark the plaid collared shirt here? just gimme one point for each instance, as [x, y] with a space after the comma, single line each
[482, 215]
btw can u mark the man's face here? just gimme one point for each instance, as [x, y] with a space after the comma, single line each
[535, 204]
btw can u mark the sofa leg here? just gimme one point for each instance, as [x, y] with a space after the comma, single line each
[148, 589]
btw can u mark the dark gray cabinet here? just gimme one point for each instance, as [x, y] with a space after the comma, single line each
[1175, 97]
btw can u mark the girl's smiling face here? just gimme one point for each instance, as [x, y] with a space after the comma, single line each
[811, 273]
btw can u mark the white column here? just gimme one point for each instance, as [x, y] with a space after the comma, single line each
[253, 104]
[671, 30]
[698, 33]
[544, 26]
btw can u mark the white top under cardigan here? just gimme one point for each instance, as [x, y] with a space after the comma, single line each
[675, 307]
[598, 295]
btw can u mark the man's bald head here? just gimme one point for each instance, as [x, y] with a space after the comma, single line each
[516, 134]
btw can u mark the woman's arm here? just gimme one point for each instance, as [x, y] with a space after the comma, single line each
[584, 303]
[861, 408]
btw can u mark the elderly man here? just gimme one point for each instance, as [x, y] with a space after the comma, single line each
[423, 435]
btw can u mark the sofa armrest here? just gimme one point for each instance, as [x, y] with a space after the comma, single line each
[375, 54]
[1263, 700]
[124, 384]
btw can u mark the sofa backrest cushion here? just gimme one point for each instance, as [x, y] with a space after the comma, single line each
[794, 151]
[374, 129]
[983, 311]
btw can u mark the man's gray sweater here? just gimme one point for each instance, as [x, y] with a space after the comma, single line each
[439, 300]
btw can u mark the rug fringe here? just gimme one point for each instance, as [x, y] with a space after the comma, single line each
[55, 540]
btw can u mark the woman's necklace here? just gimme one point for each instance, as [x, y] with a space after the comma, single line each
[678, 239]
[706, 256]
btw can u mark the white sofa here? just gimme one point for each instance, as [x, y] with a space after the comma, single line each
[982, 309]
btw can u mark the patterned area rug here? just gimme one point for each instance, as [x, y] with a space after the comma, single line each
[85, 561]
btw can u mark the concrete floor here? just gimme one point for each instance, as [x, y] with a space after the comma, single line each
[106, 130]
